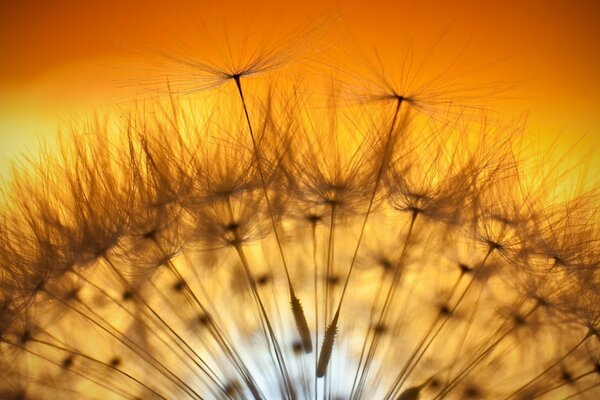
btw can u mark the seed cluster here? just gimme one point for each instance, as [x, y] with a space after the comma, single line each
[396, 247]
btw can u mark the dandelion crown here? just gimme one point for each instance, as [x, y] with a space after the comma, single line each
[389, 245]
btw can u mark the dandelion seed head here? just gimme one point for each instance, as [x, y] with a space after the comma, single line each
[382, 248]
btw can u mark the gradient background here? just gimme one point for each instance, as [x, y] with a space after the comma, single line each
[60, 57]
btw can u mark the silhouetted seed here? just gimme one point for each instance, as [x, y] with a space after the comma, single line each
[379, 329]
[566, 376]
[464, 269]
[445, 310]
[519, 320]
[472, 392]
[301, 323]
[327, 347]
[101, 252]
[542, 302]
[20, 395]
[411, 393]
[435, 383]
[25, 337]
[263, 279]
[493, 245]
[557, 260]
[597, 367]
[163, 260]
[415, 210]
[293, 395]
[231, 236]
[73, 295]
[203, 319]
[179, 286]
[333, 280]
[313, 218]
[40, 286]
[232, 226]
[127, 295]
[150, 235]
[115, 362]
[297, 347]
[232, 388]
[67, 362]
[386, 264]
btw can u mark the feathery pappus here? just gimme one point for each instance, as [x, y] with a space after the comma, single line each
[384, 246]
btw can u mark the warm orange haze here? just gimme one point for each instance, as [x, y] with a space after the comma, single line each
[58, 54]
[299, 200]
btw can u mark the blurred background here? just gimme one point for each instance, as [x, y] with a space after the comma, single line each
[65, 58]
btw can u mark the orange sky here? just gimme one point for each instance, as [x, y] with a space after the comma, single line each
[57, 55]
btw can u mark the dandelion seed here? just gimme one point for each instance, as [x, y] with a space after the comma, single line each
[327, 347]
